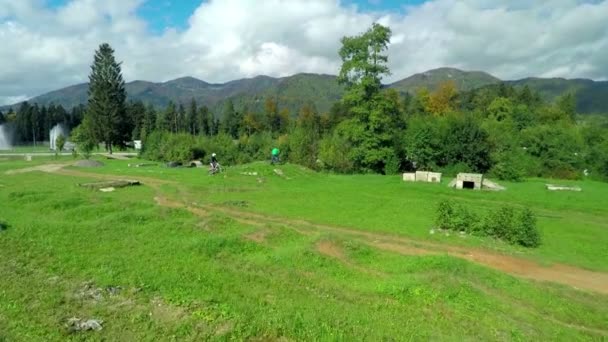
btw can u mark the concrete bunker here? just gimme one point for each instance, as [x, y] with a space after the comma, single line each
[422, 176]
[474, 181]
[469, 181]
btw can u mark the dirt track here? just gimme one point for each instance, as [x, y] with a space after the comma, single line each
[557, 273]
[563, 274]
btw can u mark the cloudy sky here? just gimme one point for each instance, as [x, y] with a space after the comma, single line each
[49, 44]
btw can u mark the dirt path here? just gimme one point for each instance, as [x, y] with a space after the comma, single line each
[562, 274]
[42, 168]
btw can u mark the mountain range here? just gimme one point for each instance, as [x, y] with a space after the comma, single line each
[322, 90]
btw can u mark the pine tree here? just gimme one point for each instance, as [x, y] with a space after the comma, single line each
[193, 118]
[231, 120]
[107, 96]
[24, 124]
[181, 124]
[168, 121]
[204, 121]
[136, 111]
[149, 124]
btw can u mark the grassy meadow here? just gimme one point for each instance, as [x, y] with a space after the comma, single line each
[188, 256]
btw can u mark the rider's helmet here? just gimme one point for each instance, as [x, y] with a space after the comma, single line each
[213, 154]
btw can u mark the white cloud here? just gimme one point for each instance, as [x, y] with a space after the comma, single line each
[44, 49]
[8, 100]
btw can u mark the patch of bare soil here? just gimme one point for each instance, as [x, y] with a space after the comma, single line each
[165, 312]
[401, 248]
[116, 156]
[563, 274]
[41, 168]
[330, 249]
[88, 163]
[164, 202]
[258, 236]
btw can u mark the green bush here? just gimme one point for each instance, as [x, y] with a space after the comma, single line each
[500, 224]
[166, 147]
[453, 170]
[465, 220]
[3, 225]
[455, 217]
[334, 153]
[517, 228]
[527, 234]
[226, 148]
[509, 166]
[445, 215]
[83, 137]
[256, 146]
[505, 223]
[392, 165]
[303, 147]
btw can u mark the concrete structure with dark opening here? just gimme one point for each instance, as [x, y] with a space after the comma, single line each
[469, 181]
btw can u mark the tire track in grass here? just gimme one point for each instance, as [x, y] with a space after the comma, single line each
[334, 251]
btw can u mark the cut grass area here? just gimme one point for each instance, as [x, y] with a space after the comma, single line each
[190, 278]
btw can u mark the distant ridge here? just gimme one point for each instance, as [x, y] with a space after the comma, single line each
[321, 90]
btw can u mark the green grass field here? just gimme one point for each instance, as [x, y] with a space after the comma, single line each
[304, 256]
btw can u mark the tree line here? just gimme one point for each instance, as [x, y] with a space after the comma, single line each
[508, 132]
[32, 123]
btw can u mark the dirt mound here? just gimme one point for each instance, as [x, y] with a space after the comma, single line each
[88, 163]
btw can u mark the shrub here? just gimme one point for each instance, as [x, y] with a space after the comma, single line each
[3, 225]
[465, 220]
[455, 217]
[453, 170]
[392, 165]
[60, 143]
[256, 146]
[180, 147]
[527, 234]
[445, 215]
[507, 224]
[166, 147]
[227, 149]
[334, 152]
[303, 147]
[83, 137]
[509, 166]
[499, 224]
[517, 228]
